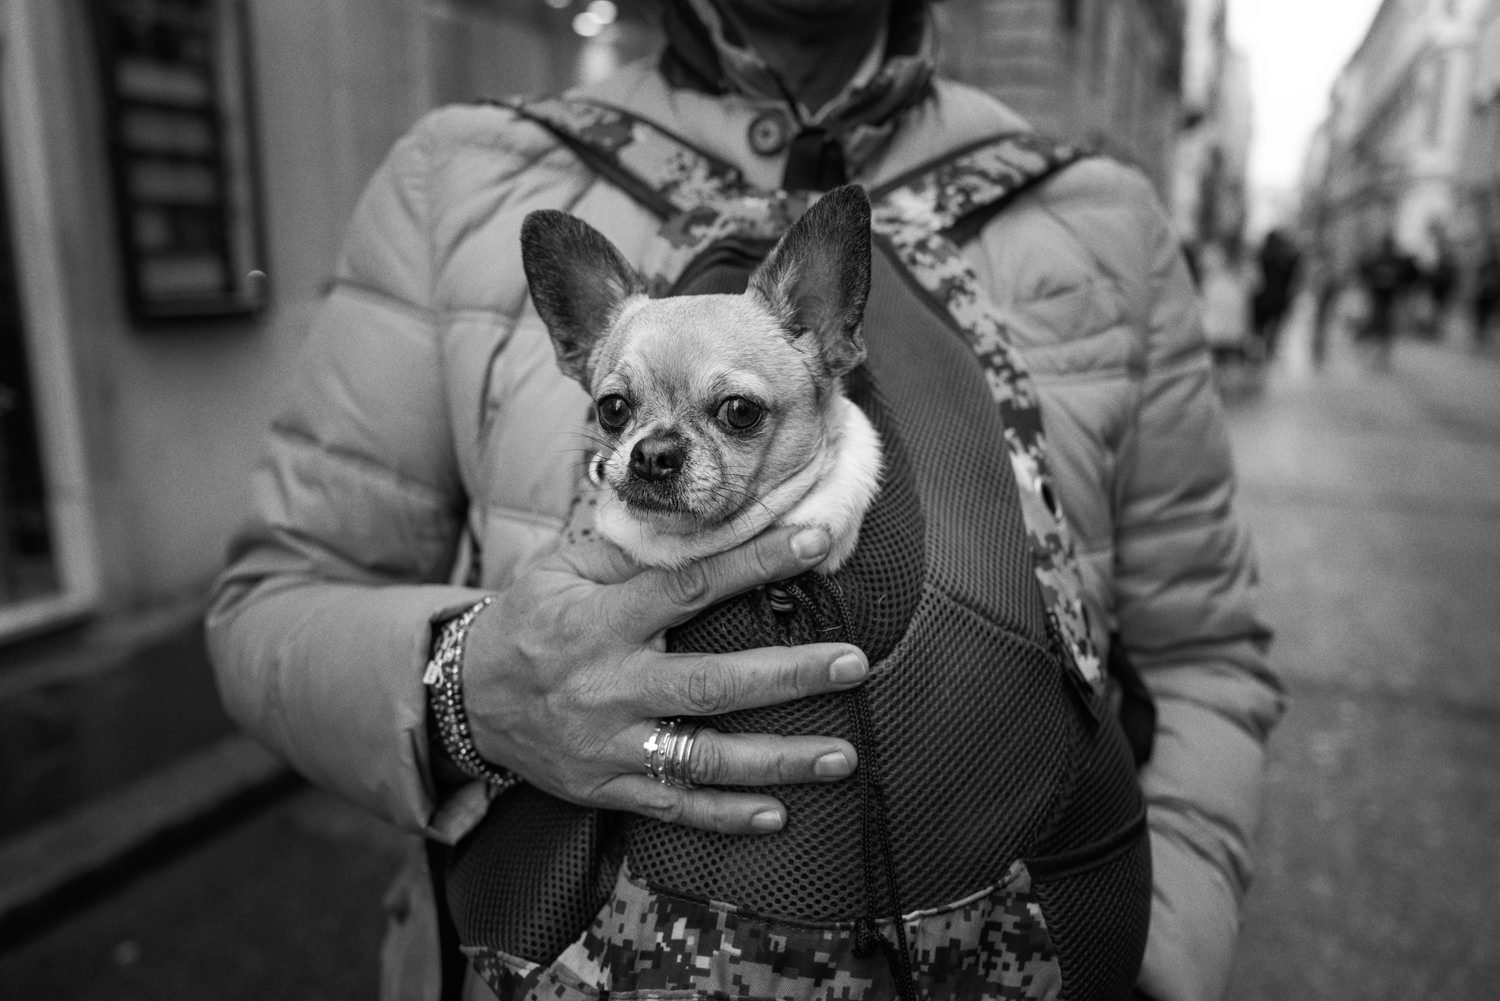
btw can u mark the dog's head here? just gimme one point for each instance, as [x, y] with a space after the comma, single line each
[705, 403]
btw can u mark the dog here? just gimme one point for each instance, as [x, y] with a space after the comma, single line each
[718, 415]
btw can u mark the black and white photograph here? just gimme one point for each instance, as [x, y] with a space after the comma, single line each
[779, 500]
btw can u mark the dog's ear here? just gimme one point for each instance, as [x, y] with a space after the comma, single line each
[579, 282]
[817, 277]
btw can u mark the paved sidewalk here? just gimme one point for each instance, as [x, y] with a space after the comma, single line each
[1375, 501]
[283, 905]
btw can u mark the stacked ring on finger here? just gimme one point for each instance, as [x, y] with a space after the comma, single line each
[669, 750]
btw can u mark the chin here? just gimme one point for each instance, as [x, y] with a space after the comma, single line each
[674, 516]
[761, 11]
[665, 520]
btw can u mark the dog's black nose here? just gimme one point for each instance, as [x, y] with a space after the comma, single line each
[656, 457]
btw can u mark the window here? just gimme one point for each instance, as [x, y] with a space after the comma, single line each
[28, 565]
[48, 564]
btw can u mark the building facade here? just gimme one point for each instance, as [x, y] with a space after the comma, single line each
[176, 176]
[1389, 159]
[1104, 72]
[1212, 156]
[1479, 170]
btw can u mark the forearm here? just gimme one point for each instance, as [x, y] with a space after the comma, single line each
[329, 676]
[1204, 790]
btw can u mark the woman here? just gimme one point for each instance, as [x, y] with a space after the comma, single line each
[421, 415]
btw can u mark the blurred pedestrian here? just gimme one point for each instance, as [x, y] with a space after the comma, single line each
[1328, 288]
[1280, 263]
[1227, 324]
[409, 519]
[1386, 276]
[1485, 297]
[1440, 278]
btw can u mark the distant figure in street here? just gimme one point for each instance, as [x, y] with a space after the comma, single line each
[1223, 292]
[1441, 278]
[1386, 275]
[1280, 263]
[1328, 285]
[1486, 295]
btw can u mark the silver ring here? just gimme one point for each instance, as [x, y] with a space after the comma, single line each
[669, 750]
[681, 755]
[655, 747]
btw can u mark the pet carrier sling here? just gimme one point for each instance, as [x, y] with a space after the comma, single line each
[992, 843]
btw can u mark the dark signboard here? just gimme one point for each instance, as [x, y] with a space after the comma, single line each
[177, 112]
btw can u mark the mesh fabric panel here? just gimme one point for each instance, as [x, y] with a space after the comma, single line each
[1098, 918]
[976, 728]
[1102, 797]
[532, 875]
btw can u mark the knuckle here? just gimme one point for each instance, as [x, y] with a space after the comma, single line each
[765, 561]
[690, 585]
[800, 675]
[709, 690]
[662, 803]
[784, 768]
[709, 764]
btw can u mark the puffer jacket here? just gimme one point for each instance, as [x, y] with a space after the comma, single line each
[427, 406]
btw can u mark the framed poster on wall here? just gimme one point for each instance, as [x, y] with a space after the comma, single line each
[178, 115]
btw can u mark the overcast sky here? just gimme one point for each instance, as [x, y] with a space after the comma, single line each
[1296, 49]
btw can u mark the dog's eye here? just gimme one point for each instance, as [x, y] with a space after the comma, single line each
[613, 413]
[739, 413]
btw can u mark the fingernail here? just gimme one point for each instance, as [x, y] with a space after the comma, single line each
[769, 820]
[832, 765]
[810, 544]
[848, 669]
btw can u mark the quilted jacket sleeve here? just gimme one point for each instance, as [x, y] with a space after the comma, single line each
[1185, 582]
[1109, 321]
[321, 625]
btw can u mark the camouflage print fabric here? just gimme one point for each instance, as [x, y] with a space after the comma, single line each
[647, 943]
[683, 237]
[942, 195]
[681, 174]
[709, 200]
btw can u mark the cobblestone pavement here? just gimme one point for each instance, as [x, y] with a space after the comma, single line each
[1375, 499]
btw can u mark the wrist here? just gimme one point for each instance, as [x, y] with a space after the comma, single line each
[447, 711]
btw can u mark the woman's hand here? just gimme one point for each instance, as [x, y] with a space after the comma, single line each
[566, 676]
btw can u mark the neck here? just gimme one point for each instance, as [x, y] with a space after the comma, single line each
[814, 52]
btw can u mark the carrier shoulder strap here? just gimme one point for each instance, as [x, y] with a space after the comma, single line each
[923, 216]
[956, 192]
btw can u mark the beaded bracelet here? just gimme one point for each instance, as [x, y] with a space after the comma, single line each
[445, 697]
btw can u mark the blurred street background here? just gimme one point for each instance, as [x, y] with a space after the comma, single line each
[1334, 172]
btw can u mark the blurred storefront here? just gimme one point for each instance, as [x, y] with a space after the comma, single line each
[176, 176]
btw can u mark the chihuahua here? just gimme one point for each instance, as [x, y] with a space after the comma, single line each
[718, 415]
